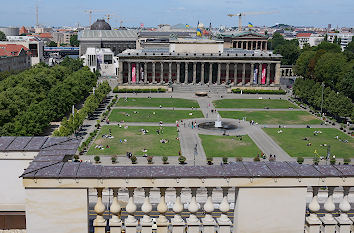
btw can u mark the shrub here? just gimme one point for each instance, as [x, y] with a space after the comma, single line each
[98, 124]
[133, 159]
[332, 161]
[164, 159]
[114, 159]
[347, 161]
[300, 160]
[76, 158]
[239, 159]
[225, 159]
[256, 159]
[254, 91]
[149, 159]
[127, 90]
[97, 158]
[210, 160]
[182, 159]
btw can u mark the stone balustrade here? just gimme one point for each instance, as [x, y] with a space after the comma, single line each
[269, 197]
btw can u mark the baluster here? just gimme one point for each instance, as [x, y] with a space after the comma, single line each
[115, 222]
[224, 222]
[146, 222]
[130, 222]
[328, 221]
[193, 222]
[344, 223]
[313, 223]
[209, 222]
[162, 221]
[99, 223]
[177, 221]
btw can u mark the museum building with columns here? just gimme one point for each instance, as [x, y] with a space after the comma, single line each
[199, 61]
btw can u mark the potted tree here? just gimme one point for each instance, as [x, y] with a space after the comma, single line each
[316, 160]
[332, 161]
[300, 160]
[182, 159]
[239, 159]
[210, 160]
[256, 159]
[97, 159]
[133, 159]
[149, 159]
[347, 161]
[165, 159]
[114, 159]
[225, 160]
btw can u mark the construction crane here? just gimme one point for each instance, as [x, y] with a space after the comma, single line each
[90, 14]
[240, 15]
[109, 16]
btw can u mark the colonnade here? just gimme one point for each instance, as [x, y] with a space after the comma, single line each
[250, 44]
[218, 72]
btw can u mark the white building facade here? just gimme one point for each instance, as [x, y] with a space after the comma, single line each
[102, 60]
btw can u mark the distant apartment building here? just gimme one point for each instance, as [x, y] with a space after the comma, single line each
[14, 57]
[309, 38]
[345, 38]
[10, 31]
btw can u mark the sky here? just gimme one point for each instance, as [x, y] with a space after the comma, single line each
[317, 13]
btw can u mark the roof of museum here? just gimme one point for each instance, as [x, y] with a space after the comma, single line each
[235, 34]
[109, 35]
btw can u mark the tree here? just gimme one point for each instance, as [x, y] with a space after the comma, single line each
[349, 50]
[328, 47]
[2, 36]
[74, 41]
[290, 52]
[52, 44]
[302, 63]
[335, 41]
[277, 40]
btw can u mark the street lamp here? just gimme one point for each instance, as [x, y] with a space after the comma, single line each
[323, 85]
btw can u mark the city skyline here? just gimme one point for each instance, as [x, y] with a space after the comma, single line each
[318, 13]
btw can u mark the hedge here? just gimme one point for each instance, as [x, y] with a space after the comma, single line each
[254, 91]
[128, 90]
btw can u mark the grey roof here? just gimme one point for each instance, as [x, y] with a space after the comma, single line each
[108, 35]
[100, 24]
[165, 34]
[85, 170]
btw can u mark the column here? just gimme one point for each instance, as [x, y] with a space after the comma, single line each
[246, 45]
[146, 221]
[328, 221]
[153, 72]
[313, 223]
[99, 223]
[115, 223]
[252, 45]
[193, 222]
[170, 72]
[261, 45]
[194, 72]
[178, 72]
[235, 74]
[129, 73]
[252, 74]
[268, 73]
[277, 74]
[243, 73]
[162, 221]
[137, 72]
[227, 73]
[186, 72]
[219, 73]
[145, 72]
[208, 221]
[265, 45]
[260, 74]
[210, 73]
[130, 222]
[224, 222]
[177, 221]
[161, 75]
[120, 78]
[202, 73]
[344, 206]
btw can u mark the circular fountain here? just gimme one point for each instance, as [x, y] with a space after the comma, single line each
[217, 125]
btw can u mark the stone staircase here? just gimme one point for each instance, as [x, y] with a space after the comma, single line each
[184, 88]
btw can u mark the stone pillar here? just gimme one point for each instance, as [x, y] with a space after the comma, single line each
[99, 223]
[252, 45]
[266, 45]
[261, 45]
[344, 223]
[170, 72]
[208, 221]
[129, 73]
[115, 223]
[227, 72]
[277, 74]
[130, 222]
[219, 73]
[268, 73]
[162, 222]
[193, 222]
[252, 74]
[137, 72]
[194, 72]
[246, 45]
[202, 78]
[145, 72]
[146, 221]
[313, 223]
[186, 72]
[178, 72]
[210, 73]
[120, 77]
[177, 221]
[243, 73]
[153, 72]
[161, 75]
[260, 74]
[235, 74]
[224, 222]
[328, 221]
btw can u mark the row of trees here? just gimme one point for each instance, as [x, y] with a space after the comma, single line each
[69, 126]
[30, 100]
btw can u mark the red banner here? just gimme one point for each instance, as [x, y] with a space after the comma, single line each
[264, 71]
[133, 73]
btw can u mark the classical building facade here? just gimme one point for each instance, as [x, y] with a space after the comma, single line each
[201, 61]
[247, 40]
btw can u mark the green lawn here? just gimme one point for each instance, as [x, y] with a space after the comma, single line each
[291, 140]
[147, 115]
[252, 103]
[136, 141]
[230, 146]
[273, 117]
[156, 102]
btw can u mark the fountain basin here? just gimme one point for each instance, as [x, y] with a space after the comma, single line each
[210, 125]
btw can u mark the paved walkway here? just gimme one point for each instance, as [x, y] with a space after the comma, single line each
[259, 109]
[157, 108]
